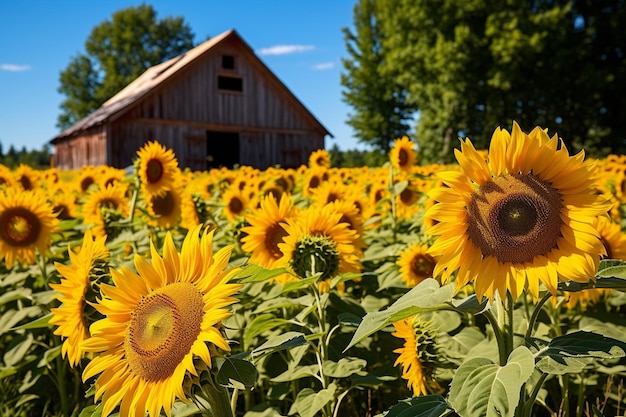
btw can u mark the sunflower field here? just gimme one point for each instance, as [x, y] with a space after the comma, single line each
[494, 286]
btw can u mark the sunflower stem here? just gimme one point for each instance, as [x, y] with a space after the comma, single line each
[510, 305]
[527, 407]
[535, 315]
[500, 339]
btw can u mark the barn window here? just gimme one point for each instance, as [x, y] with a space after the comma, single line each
[228, 62]
[229, 83]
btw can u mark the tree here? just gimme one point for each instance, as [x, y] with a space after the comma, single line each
[472, 66]
[381, 112]
[117, 52]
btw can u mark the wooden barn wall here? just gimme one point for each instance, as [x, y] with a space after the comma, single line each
[128, 137]
[88, 148]
[193, 95]
[260, 149]
[261, 111]
[266, 149]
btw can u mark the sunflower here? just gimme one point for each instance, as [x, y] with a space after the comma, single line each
[75, 289]
[403, 154]
[27, 222]
[87, 178]
[612, 236]
[319, 159]
[265, 230]
[26, 177]
[164, 209]
[317, 241]
[157, 168]
[103, 206]
[235, 203]
[522, 217]
[407, 200]
[157, 322]
[6, 176]
[313, 179]
[416, 264]
[418, 355]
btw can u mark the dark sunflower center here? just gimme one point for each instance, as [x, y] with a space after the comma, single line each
[403, 157]
[423, 266]
[162, 330]
[26, 182]
[515, 218]
[273, 236]
[315, 254]
[163, 205]
[314, 182]
[154, 170]
[19, 227]
[408, 196]
[86, 183]
[235, 205]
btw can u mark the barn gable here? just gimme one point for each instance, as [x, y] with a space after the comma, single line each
[216, 105]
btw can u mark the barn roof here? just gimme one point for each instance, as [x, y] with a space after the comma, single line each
[158, 75]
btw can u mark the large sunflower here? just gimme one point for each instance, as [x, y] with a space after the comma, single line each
[157, 321]
[157, 168]
[523, 216]
[75, 288]
[27, 222]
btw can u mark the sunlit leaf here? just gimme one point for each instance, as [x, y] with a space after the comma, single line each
[426, 296]
[308, 402]
[481, 388]
[423, 406]
[570, 353]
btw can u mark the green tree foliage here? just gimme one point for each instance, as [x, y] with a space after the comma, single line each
[117, 52]
[474, 65]
[38, 159]
[382, 112]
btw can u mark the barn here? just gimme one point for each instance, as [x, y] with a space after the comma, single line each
[217, 105]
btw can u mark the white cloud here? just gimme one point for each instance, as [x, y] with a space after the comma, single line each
[285, 49]
[14, 67]
[324, 66]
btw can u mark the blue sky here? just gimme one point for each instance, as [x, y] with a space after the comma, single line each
[300, 41]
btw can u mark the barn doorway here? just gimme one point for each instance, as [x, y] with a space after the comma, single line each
[222, 149]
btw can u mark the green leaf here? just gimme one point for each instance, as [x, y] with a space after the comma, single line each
[297, 372]
[36, 324]
[91, 411]
[481, 388]
[284, 341]
[426, 296]
[423, 406]
[345, 367]
[18, 349]
[259, 325]
[469, 305]
[299, 284]
[237, 373]
[570, 353]
[18, 294]
[256, 273]
[610, 264]
[309, 402]
[267, 412]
